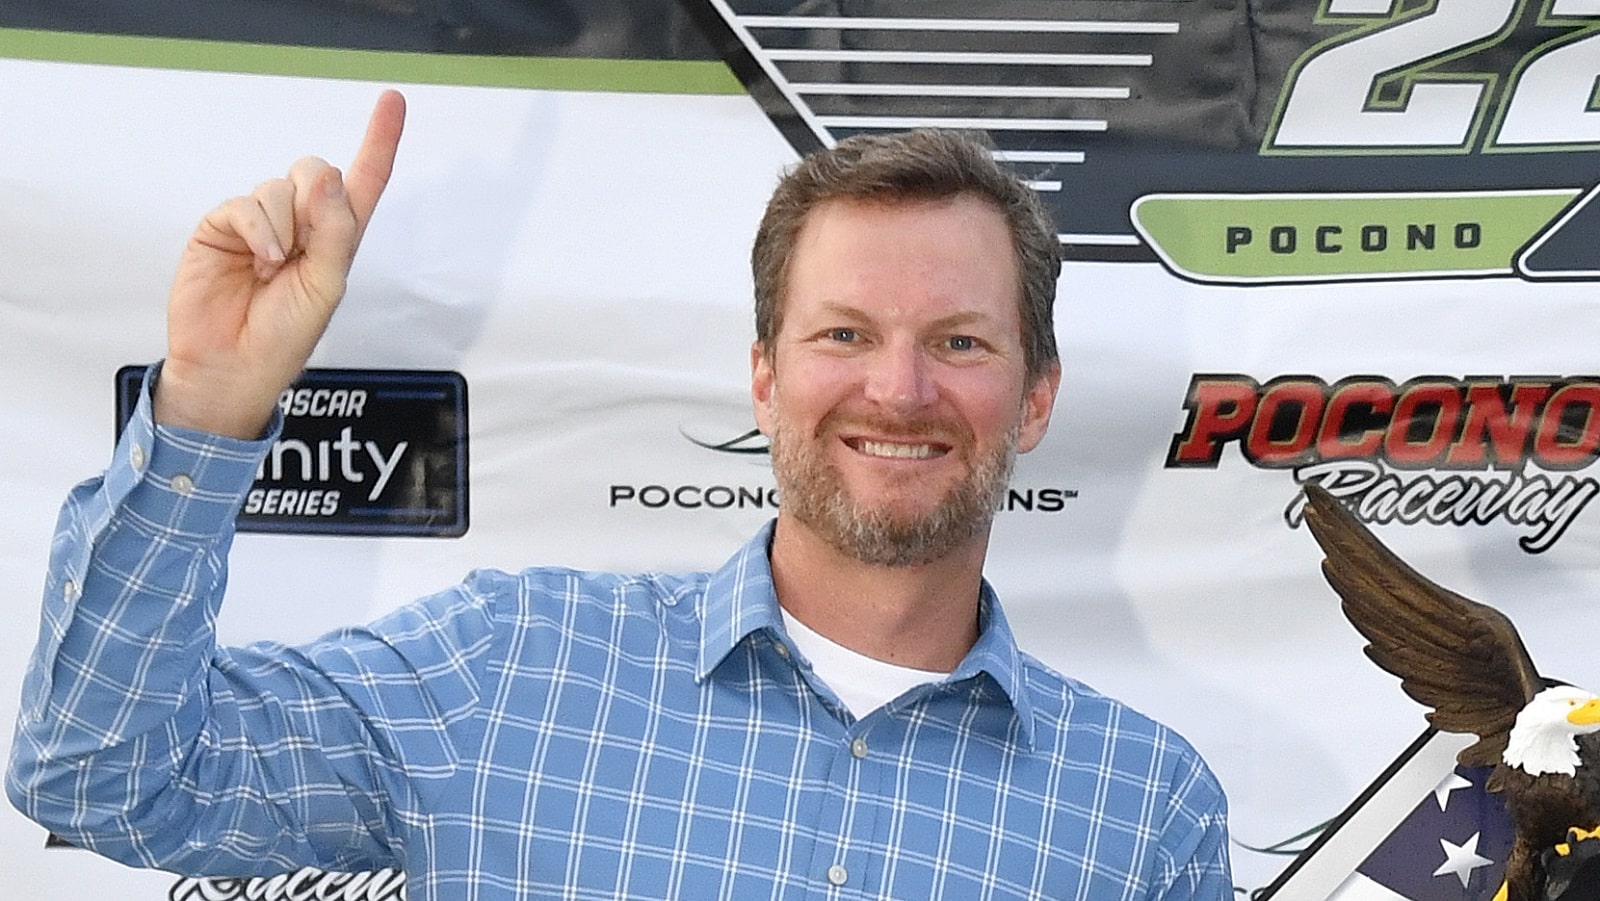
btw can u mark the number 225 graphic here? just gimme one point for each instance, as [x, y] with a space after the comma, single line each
[1397, 83]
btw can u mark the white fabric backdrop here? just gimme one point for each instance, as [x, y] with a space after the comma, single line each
[580, 259]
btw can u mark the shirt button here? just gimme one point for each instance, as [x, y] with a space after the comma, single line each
[136, 457]
[782, 649]
[838, 874]
[183, 484]
[70, 590]
[858, 748]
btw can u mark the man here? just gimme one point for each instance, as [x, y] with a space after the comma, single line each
[840, 711]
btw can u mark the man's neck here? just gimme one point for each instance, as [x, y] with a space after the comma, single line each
[923, 617]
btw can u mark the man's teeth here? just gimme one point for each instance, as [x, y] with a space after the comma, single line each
[885, 449]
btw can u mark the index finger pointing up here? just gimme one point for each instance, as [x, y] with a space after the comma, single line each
[368, 173]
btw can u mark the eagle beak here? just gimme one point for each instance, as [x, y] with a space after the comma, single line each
[1586, 714]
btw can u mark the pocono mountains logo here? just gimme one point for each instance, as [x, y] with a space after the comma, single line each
[1380, 139]
[693, 496]
[1438, 450]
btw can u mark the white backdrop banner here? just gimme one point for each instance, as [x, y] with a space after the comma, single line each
[1369, 265]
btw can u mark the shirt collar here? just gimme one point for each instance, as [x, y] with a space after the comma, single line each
[740, 599]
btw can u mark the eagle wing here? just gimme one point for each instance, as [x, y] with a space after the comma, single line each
[1462, 659]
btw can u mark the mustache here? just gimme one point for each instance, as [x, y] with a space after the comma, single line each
[917, 427]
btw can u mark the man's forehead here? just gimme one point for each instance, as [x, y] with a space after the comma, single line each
[847, 225]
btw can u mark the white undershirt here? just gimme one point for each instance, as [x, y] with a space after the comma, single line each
[863, 683]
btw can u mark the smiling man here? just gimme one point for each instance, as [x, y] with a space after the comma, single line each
[840, 711]
[903, 399]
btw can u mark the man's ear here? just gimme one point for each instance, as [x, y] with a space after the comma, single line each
[761, 376]
[1037, 403]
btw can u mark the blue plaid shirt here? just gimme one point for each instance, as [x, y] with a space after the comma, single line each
[563, 734]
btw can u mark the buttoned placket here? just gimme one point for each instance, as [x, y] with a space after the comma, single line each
[836, 872]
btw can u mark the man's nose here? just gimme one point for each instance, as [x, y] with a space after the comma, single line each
[900, 377]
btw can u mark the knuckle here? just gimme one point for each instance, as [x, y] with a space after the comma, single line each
[272, 189]
[307, 167]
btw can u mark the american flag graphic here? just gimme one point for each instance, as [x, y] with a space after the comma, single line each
[1425, 830]
[1451, 847]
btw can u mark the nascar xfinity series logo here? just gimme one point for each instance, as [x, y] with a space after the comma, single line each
[362, 452]
[1343, 140]
[1434, 449]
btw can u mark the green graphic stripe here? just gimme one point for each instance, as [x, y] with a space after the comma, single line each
[629, 76]
[1243, 238]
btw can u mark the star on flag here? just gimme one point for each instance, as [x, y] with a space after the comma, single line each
[1460, 860]
[1451, 782]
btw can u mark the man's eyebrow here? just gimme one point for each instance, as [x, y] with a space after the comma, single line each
[965, 317]
[846, 310]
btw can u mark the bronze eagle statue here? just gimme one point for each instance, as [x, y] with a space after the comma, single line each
[1466, 662]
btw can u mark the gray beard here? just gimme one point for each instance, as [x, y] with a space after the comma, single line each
[814, 493]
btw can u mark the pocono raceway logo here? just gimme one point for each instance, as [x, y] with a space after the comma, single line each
[1434, 449]
[717, 497]
[308, 884]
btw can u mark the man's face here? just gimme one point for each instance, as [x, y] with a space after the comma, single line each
[895, 392]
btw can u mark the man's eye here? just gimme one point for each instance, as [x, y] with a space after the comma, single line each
[963, 342]
[842, 335]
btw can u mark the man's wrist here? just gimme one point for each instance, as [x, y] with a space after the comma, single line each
[192, 403]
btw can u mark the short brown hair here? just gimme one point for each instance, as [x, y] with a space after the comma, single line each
[925, 164]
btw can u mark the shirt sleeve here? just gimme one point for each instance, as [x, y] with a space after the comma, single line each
[140, 739]
[1194, 840]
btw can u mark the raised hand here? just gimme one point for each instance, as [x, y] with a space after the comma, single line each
[259, 281]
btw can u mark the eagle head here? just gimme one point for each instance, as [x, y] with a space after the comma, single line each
[1544, 738]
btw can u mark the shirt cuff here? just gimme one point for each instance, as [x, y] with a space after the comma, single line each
[181, 480]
